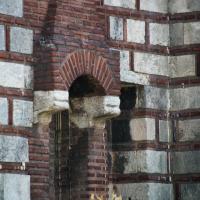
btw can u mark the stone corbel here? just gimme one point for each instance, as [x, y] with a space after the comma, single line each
[48, 102]
[87, 111]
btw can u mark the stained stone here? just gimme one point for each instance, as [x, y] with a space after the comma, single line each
[22, 113]
[160, 6]
[121, 3]
[3, 111]
[2, 38]
[12, 7]
[190, 191]
[165, 132]
[116, 28]
[192, 33]
[21, 40]
[176, 34]
[13, 149]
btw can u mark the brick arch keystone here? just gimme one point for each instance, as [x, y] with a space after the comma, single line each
[86, 62]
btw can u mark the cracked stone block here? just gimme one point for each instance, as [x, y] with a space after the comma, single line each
[21, 40]
[16, 75]
[135, 31]
[160, 6]
[159, 34]
[2, 38]
[14, 187]
[13, 149]
[22, 113]
[3, 111]
[116, 28]
[12, 7]
[131, 4]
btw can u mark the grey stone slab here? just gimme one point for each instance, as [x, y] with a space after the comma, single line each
[12, 7]
[21, 40]
[121, 3]
[14, 187]
[176, 34]
[186, 162]
[165, 132]
[190, 191]
[160, 6]
[159, 34]
[183, 6]
[192, 33]
[3, 111]
[135, 31]
[142, 129]
[124, 60]
[16, 75]
[116, 28]
[189, 130]
[145, 191]
[13, 149]
[2, 38]
[22, 113]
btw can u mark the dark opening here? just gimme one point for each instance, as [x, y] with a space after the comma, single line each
[85, 86]
[127, 98]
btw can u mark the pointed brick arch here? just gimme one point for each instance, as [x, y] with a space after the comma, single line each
[85, 62]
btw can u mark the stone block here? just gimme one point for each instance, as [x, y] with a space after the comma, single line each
[181, 66]
[190, 191]
[121, 3]
[14, 187]
[142, 129]
[2, 38]
[116, 28]
[159, 34]
[186, 162]
[12, 7]
[16, 75]
[151, 63]
[3, 111]
[153, 97]
[176, 34]
[183, 6]
[189, 130]
[165, 131]
[145, 191]
[124, 60]
[22, 113]
[144, 161]
[160, 6]
[135, 31]
[21, 40]
[184, 98]
[13, 149]
[192, 33]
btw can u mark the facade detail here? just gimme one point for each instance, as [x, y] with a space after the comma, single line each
[100, 99]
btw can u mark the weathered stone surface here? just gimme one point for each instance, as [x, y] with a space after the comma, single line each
[14, 187]
[116, 28]
[165, 132]
[159, 34]
[2, 38]
[121, 3]
[176, 34]
[16, 75]
[135, 31]
[184, 98]
[182, 6]
[181, 66]
[145, 161]
[160, 6]
[190, 191]
[13, 149]
[151, 63]
[186, 162]
[12, 7]
[3, 111]
[192, 32]
[142, 129]
[124, 60]
[22, 113]
[153, 97]
[189, 130]
[145, 191]
[21, 40]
